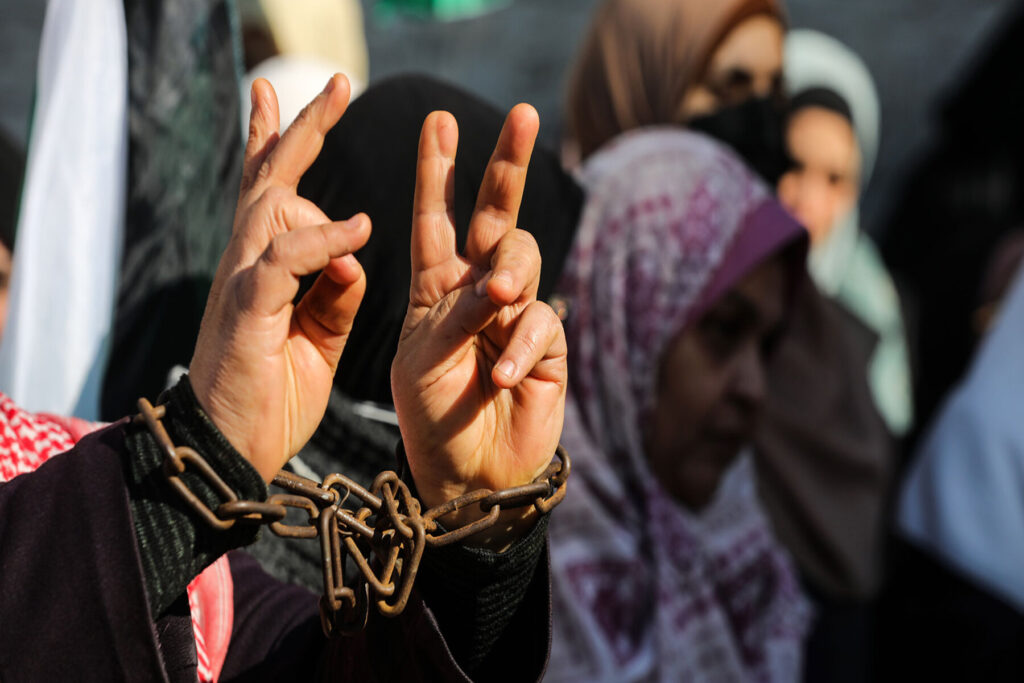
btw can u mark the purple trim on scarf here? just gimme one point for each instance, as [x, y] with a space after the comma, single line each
[768, 229]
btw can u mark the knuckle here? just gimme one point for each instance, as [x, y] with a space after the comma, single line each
[525, 239]
[323, 236]
[305, 117]
[528, 342]
[266, 170]
[545, 313]
[506, 178]
[522, 245]
[494, 218]
[255, 131]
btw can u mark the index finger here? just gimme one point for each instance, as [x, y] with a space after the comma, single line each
[300, 145]
[433, 204]
[501, 192]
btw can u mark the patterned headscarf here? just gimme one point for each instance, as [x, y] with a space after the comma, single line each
[645, 589]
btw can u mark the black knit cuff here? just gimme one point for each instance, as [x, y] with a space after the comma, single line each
[475, 593]
[174, 543]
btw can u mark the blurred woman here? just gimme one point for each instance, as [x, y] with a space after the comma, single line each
[712, 66]
[677, 289]
[832, 136]
[823, 453]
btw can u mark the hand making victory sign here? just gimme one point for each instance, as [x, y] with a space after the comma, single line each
[479, 378]
[480, 375]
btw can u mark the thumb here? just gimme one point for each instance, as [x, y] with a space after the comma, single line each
[327, 311]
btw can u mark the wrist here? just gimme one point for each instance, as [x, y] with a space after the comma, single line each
[512, 526]
[503, 515]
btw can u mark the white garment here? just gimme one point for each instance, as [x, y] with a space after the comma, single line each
[845, 265]
[72, 213]
[964, 498]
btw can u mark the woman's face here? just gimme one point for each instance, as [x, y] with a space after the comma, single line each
[824, 182]
[711, 385]
[747, 64]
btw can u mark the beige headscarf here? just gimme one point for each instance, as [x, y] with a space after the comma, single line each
[640, 57]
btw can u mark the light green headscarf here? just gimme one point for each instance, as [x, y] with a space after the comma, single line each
[846, 264]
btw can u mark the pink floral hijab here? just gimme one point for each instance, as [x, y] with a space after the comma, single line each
[644, 589]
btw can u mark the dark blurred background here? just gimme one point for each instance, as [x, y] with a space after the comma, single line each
[916, 49]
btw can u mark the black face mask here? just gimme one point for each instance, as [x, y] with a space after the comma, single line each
[754, 129]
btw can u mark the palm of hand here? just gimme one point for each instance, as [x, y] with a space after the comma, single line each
[469, 420]
[263, 367]
[509, 434]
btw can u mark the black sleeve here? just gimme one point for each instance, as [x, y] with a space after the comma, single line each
[473, 615]
[73, 601]
[174, 543]
[95, 542]
[474, 594]
[479, 596]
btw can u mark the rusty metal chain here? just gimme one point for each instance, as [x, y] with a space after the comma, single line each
[382, 529]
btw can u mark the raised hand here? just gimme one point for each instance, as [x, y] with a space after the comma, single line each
[263, 367]
[479, 379]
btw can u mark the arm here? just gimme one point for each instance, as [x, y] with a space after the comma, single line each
[479, 379]
[261, 376]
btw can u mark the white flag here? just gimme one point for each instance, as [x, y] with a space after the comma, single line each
[72, 213]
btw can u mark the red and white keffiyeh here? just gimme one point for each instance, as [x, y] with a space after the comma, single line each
[28, 440]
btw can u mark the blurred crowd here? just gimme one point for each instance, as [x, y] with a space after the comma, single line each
[798, 454]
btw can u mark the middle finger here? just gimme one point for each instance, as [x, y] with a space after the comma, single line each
[501, 192]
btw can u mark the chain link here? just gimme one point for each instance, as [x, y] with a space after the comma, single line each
[382, 529]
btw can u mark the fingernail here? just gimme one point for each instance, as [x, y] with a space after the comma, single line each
[252, 97]
[481, 285]
[503, 275]
[355, 222]
[507, 368]
[329, 87]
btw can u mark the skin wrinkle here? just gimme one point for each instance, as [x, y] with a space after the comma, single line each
[249, 177]
[525, 334]
[458, 352]
[486, 355]
[317, 308]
